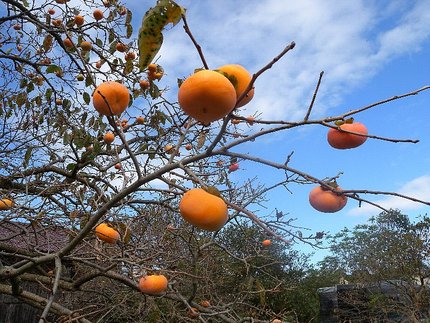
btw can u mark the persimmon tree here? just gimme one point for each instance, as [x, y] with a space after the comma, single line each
[65, 176]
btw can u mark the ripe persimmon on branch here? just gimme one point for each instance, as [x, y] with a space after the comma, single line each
[88, 216]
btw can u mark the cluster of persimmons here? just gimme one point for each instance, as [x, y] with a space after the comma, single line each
[208, 96]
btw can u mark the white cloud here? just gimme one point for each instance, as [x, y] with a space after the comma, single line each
[418, 188]
[349, 40]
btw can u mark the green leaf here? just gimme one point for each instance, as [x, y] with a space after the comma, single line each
[151, 153]
[71, 166]
[48, 94]
[48, 19]
[84, 117]
[67, 104]
[154, 91]
[21, 99]
[88, 81]
[128, 68]
[23, 83]
[150, 37]
[111, 36]
[27, 156]
[128, 17]
[112, 47]
[129, 29]
[86, 97]
[143, 147]
[66, 138]
[53, 69]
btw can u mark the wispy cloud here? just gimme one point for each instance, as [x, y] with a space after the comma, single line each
[419, 188]
[349, 40]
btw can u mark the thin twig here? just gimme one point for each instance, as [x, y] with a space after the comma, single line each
[396, 97]
[249, 87]
[263, 69]
[198, 47]
[308, 113]
[54, 290]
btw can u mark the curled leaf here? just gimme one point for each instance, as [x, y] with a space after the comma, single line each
[150, 37]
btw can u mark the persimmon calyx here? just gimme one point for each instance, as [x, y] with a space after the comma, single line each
[338, 123]
[332, 184]
[212, 190]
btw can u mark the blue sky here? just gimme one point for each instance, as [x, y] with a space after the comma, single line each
[370, 50]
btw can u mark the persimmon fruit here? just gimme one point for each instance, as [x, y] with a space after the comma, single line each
[158, 75]
[152, 68]
[86, 45]
[154, 285]
[120, 47]
[205, 303]
[140, 120]
[109, 137]
[57, 22]
[240, 78]
[51, 11]
[118, 166]
[188, 147]
[266, 243]
[79, 20]
[168, 149]
[203, 210]
[233, 167]
[144, 84]
[111, 98]
[98, 14]
[5, 204]
[130, 56]
[207, 96]
[106, 233]
[68, 42]
[327, 201]
[343, 140]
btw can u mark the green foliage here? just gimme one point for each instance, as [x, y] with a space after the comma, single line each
[388, 247]
[262, 276]
[388, 251]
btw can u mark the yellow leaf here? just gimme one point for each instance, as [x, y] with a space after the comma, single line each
[202, 139]
[150, 37]
[47, 43]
